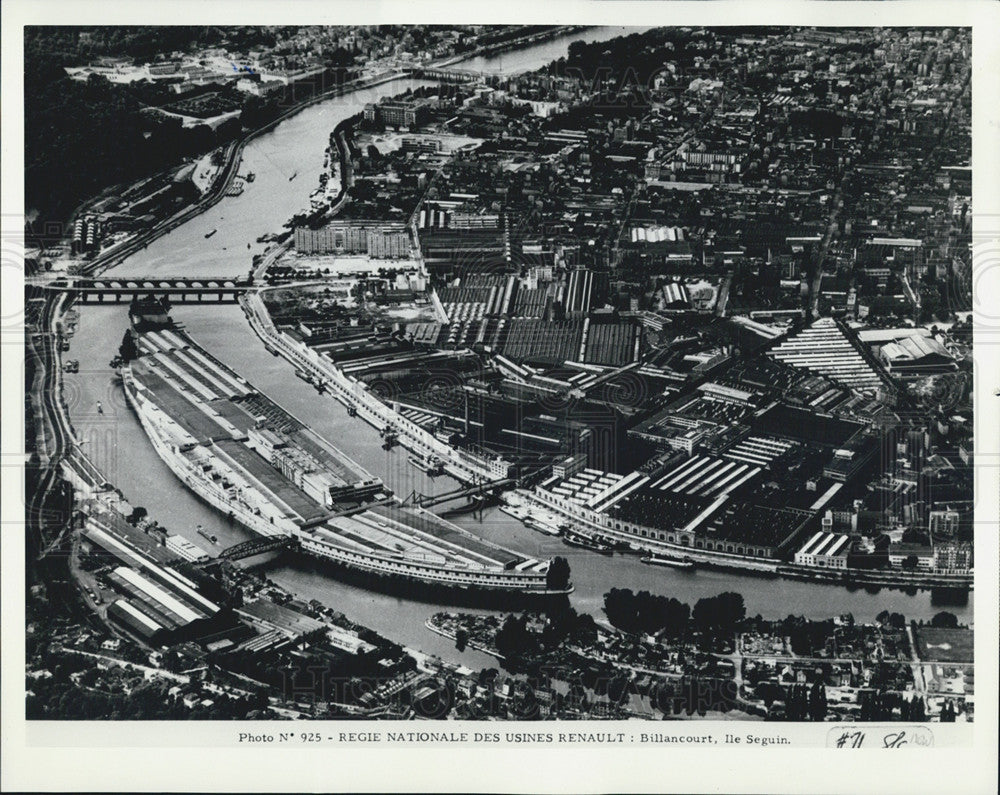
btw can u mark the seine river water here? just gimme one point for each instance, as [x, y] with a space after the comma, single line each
[119, 446]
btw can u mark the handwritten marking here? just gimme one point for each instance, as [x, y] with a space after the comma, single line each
[877, 737]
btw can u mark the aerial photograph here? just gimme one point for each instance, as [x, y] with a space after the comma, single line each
[498, 373]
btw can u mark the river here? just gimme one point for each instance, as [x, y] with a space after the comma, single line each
[120, 449]
[286, 164]
[535, 57]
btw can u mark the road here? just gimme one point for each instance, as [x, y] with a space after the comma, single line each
[58, 451]
[269, 259]
[824, 248]
[53, 434]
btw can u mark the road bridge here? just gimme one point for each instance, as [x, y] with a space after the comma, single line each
[448, 75]
[177, 289]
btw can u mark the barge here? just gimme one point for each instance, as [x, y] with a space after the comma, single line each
[656, 560]
[587, 542]
[208, 536]
[432, 467]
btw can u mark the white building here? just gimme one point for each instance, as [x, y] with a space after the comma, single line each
[183, 548]
[828, 550]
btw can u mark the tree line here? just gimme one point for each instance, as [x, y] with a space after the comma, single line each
[84, 137]
[650, 614]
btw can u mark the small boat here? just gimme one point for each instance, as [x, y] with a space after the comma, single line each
[251, 176]
[432, 468]
[211, 233]
[653, 560]
[293, 176]
[208, 536]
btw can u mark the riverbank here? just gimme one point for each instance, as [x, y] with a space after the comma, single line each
[507, 46]
[592, 526]
[224, 178]
[321, 372]
[437, 629]
[116, 442]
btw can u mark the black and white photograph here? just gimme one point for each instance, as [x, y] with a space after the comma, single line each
[536, 386]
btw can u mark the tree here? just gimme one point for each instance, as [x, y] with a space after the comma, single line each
[514, 639]
[557, 577]
[945, 620]
[817, 701]
[910, 562]
[128, 350]
[722, 612]
[461, 639]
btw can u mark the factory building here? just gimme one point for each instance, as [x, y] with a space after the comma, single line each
[378, 240]
[828, 550]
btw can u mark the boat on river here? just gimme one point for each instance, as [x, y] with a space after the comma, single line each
[433, 466]
[208, 536]
[656, 560]
[587, 542]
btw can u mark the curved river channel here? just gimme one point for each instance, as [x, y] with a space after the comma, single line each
[119, 447]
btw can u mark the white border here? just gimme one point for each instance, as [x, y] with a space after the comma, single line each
[119, 762]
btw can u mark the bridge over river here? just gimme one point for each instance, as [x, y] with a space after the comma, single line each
[253, 546]
[177, 289]
[483, 489]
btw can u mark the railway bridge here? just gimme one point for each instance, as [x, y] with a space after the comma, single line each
[254, 546]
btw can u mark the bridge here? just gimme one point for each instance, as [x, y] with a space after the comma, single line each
[448, 75]
[476, 490]
[255, 546]
[177, 289]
